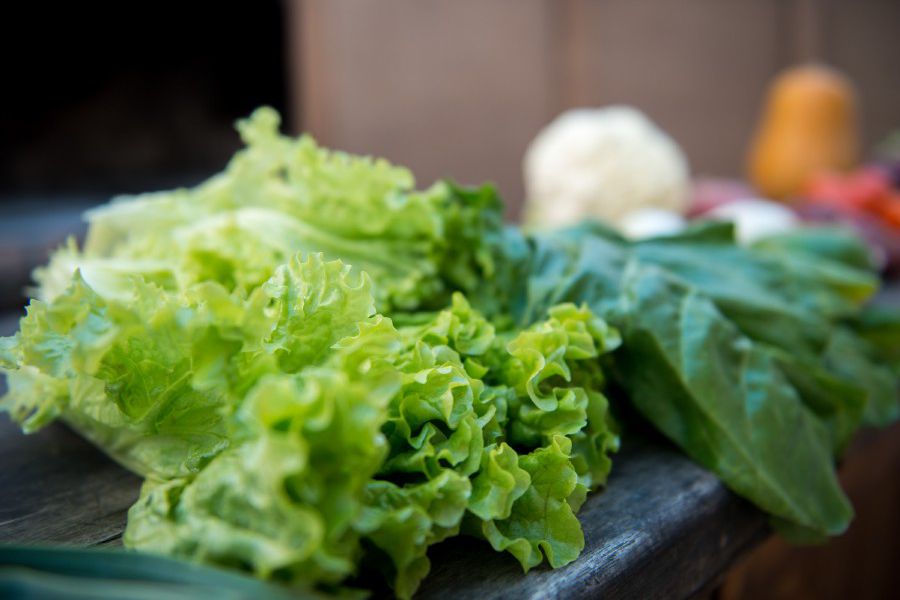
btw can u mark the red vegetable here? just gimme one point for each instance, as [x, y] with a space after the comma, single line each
[868, 191]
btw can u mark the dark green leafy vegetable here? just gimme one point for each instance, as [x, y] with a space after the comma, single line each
[724, 400]
[70, 573]
[809, 367]
[880, 327]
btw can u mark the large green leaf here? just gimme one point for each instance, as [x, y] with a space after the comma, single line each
[724, 400]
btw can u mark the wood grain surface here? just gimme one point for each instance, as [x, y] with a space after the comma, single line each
[665, 528]
[58, 488]
[28, 232]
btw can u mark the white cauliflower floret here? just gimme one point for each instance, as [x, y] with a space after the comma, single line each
[603, 163]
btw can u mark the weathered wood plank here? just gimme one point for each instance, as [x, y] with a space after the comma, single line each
[9, 323]
[27, 235]
[664, 528]
[56, 487]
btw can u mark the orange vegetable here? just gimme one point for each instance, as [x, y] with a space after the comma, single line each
[809, 124]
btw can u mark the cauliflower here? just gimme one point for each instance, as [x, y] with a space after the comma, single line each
[603, 163]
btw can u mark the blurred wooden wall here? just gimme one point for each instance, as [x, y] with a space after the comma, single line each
[459, 87]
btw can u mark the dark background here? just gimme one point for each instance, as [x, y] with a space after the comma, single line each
[107, 98]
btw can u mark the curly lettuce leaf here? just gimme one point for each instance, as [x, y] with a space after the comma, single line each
[542, 522]
[151, 375]
[553, 368]
[316, 303]
[284, 499]
[283, 503]
[379, 444]
[499, 483]
[121, 371]
[403, 521]
[460, 412]
[282, 196]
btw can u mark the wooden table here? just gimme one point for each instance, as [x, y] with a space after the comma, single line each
[664, 528]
